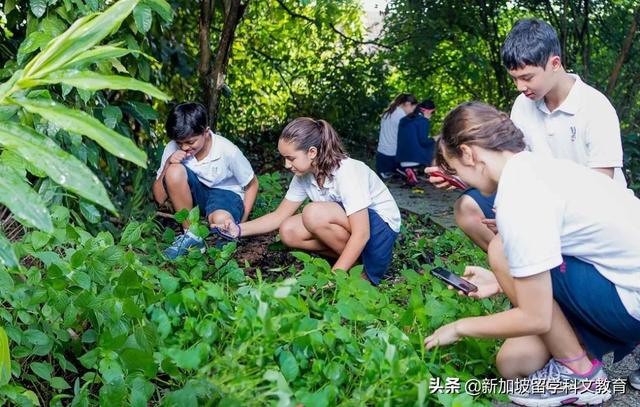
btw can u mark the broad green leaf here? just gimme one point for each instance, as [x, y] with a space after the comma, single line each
[5, 357]
[96, 54]
[47, 156]
[143, 17]
[44, 370]
[89, 80]
[25, 203]
[7, 256]
[89, 212]
[38, 7]
[59, 383]
[141, 392]
[162, 8]
[34, 41]
[112, 115]
[288, 366]
[81, 36]
[80, 122]
[131, 233]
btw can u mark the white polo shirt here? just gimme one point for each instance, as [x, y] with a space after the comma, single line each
[584, 128]
[546, 208]
[225, 166]
[355, 186]
[388, 142]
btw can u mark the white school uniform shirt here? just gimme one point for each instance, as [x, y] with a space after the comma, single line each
[388, 142]
[354, 185]
[225, 166]
[584, 128]
[546, 208]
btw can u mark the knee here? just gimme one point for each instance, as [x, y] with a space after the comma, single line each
[288, 233]
[219, 217]
[467, 212]
[313, 217]
[176, 174]
[507, 362]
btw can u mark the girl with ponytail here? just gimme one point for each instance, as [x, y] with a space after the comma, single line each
[567, 256]
[351, 215]
[401, 106]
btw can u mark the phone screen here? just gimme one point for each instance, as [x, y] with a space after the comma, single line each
[453, 279]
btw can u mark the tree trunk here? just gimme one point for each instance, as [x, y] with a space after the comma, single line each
[207, 10]
[234, 11]
[626, 47]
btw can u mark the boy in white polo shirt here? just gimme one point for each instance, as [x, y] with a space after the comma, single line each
[202, 168]
[559, 115]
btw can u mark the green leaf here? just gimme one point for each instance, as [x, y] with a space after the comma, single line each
[97, 54]
[39, 239]
[5, 357]
[112, 115]
[131, 233]
[38, 7]
[141, 392]
[82, 35]
[90, 212]
[143, 17]
[288, 366]
[162, 8]
[7, 256]
[44, 370]
[35, 337]
[34, 41]
[47, 156]
[59, 383]
[80, 122]
[93, 81]
[25, 203]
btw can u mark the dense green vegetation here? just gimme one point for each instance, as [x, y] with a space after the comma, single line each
[91, 312]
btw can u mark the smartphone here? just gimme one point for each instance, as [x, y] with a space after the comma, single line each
[452, 279]
[455, 181]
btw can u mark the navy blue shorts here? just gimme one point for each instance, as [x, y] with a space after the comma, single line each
[377, 253]
[484, 202]
[212, 199]
[593, 308]
[385, 163]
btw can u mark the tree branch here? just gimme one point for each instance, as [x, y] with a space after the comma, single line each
[626, 47]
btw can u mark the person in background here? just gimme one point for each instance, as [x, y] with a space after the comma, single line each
[402, 105]
[415, 147]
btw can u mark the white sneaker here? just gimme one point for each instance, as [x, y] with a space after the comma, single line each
[556, 385]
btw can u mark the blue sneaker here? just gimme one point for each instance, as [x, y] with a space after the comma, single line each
[182, 244]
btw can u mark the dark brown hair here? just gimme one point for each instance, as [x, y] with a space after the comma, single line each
[306, 132]
[477, 123]
[400, 99]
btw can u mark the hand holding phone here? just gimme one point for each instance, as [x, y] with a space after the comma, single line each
[453, 181]
[452, 279]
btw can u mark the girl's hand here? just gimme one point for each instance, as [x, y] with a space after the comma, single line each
[445, 335]
[437, 182]
[482, 278]
[229, 228]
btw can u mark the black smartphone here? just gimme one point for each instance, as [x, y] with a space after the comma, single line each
[454, 280]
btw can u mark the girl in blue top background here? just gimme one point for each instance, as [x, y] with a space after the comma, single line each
[415, 147]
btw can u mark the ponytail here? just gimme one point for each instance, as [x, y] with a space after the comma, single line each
[306, 133]
[400, 99]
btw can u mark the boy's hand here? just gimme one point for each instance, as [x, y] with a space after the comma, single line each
[178, 157]
[482, 278]
[437, 182]
[229, 228]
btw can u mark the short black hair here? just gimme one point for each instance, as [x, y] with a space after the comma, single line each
[530, 42]
[186, 120]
